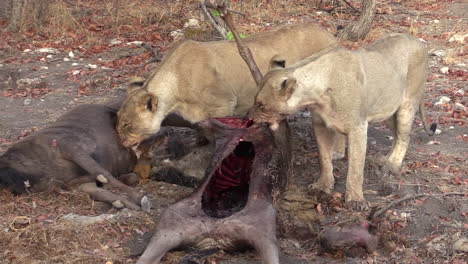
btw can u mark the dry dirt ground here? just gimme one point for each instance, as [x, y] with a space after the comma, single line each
[36, 89]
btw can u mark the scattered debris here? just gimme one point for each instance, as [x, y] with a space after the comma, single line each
[438, 53]
[136, 42]
[461, 245]
[71, 55]
[438, 131]
[444, 70]
[88, 220]
[176, 34]
[46, 50]
[442, 100]
[115, 42]
[459, 106]
[458, 38]
[192, 23]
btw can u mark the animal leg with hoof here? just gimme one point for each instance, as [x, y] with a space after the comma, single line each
[357, 154]
[86, 162]
[107, 196]
[268, 251]
[325, 138]
[163, 241]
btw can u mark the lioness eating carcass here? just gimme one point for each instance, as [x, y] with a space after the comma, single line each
[200, 80]
[345, 90]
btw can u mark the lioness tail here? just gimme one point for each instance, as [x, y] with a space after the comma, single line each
[430, 130]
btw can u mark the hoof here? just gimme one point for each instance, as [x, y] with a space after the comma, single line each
[118, 204]
[145, 204]
[102, 179]
[358, 206]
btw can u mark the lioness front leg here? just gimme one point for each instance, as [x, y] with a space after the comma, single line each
[325, 139]
[357, 144]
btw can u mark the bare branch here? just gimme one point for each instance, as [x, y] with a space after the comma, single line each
[351, 6]
[359, 29]
[407, 198]
[210, 18]
[155, 57]
[244, 51]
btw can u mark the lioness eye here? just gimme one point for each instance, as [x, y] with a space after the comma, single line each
[127, 125]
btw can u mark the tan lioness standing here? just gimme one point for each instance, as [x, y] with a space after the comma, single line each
[345, 90]
[201, 80]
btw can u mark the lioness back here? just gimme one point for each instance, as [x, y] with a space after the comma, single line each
[201, 80]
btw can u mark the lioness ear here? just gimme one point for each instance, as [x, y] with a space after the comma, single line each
[150, 102]
[277, 62]
[135, 83]
[287, 87]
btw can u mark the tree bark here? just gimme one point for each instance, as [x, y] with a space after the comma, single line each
[5, 9]
[359, 29]
[26, 14]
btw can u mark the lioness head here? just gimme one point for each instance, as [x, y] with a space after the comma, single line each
[135, 116]
[271, 103]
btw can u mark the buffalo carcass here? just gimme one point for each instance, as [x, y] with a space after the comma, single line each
[234, 207]
[80, 148]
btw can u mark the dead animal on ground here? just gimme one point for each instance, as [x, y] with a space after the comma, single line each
[201, 80]
[234, 207]
[345, 90]
[80, 148]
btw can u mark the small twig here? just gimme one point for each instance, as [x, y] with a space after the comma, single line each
[244, 51]
[351, 6]
[211, 20]
[155, 57]
[384, 209]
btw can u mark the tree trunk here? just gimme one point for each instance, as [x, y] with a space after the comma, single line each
[26, 14]
[359, 29]
[5, 10]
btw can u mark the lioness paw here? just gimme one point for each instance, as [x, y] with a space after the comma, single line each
[358, 206]
[321, 186]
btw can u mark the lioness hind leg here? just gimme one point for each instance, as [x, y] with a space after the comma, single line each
[404, 120]
[325, 138]
[357, 144]
[339, 148]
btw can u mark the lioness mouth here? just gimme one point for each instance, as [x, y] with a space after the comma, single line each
[227, 191]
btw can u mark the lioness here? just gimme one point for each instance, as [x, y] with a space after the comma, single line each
[200, 80]
[345, 90]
